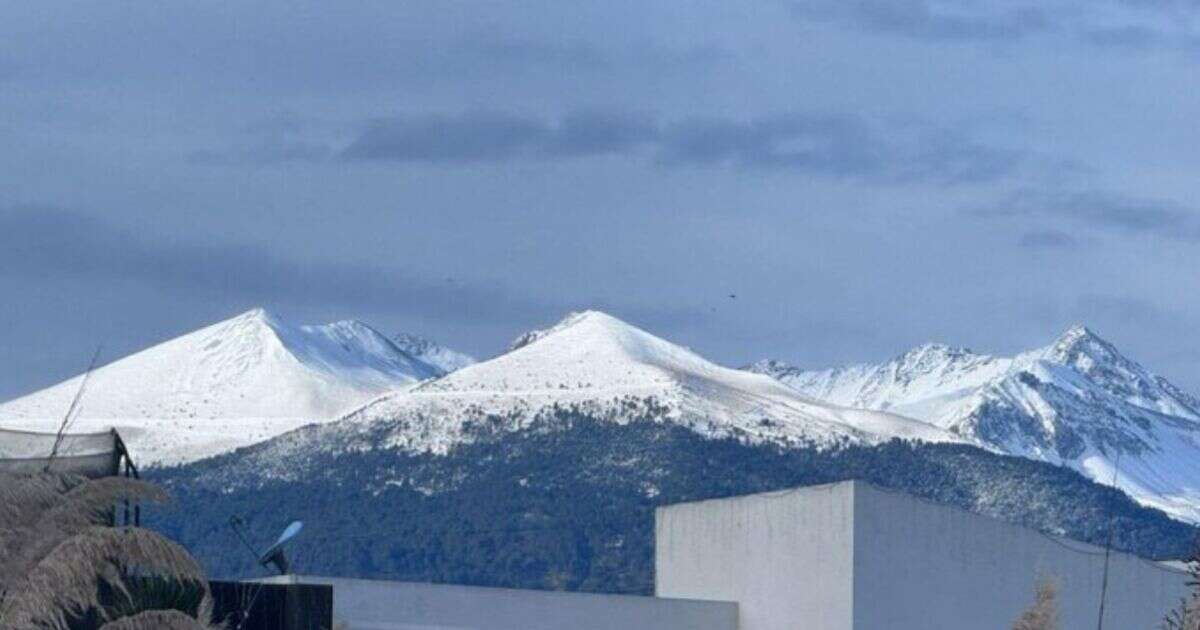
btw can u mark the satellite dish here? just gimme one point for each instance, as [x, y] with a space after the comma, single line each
[274, 554]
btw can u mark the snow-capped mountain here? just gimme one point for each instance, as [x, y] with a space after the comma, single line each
[560, 449]
[608, 369]
[430, 352]
[231, 384]
[1077, 402]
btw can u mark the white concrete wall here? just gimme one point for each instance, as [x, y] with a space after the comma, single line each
[785, 557]
[382, 605]
[923, 566]
[851, 556]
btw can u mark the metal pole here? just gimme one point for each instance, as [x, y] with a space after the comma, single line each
[1112, 518]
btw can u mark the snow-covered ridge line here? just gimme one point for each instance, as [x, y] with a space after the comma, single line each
[1076, 402]
[234, 383]
[434, 354]
[614, 371]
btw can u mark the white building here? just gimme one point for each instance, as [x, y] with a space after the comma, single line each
[381, 605]
[850, 556]
[845, 556]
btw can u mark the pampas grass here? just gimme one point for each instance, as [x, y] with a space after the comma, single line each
[61, 568]
[155, 620]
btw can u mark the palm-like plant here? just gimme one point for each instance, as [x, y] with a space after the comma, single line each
[63, 568]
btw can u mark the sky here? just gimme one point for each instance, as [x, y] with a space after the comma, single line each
[818, 181]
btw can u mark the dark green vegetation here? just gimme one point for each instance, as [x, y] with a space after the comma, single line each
[569, 503]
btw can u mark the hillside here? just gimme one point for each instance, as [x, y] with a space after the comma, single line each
[601, 366]
[567, 502]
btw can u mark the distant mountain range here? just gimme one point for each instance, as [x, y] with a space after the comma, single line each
[235, 383]
[541, 467]
[1077, 402]
[597, 363]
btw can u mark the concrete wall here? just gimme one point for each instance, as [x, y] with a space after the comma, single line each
[380, 605]
[921, 565]
[851, 556]
[785, 557]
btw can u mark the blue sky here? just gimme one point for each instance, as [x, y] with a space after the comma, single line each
[864, 175]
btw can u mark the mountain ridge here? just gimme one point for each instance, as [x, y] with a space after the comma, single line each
[233, 383]
[1077, 402]
[594, 361]
[433, 353]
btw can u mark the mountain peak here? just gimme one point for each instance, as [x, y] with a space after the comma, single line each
[589, 318]
[349, 326]
[258, 322]
[1083, 348]
[256, 314]
[934, 350]
[1077, 333]
[772, 367]
[598, 363]
[431, 352]
[227, 385]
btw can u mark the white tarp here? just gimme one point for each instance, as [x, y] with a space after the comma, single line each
[88, 454]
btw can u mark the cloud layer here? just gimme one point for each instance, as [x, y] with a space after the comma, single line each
[1105, 210]
[840, 146]
[813, 157]
[53, 243]
[1135, 24]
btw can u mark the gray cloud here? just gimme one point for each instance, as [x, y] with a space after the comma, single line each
[828, 145]
[1107, 210]
[923, 19]
[478, 136]
[592, 133]
[1131, 24]
[53, 244]
[1112, 211]
[834, 145]
[1047, 239]
[708, 195]
[492, 136]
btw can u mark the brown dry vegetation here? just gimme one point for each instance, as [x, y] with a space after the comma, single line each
[1043, 614]
[62, 567]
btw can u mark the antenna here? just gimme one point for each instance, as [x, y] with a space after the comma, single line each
[236, 523]
[274, 554]
[73, 409]
[1112, 517]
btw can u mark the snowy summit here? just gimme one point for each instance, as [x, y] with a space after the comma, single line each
[1076, 402]
[231, 384]
[601, 365]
